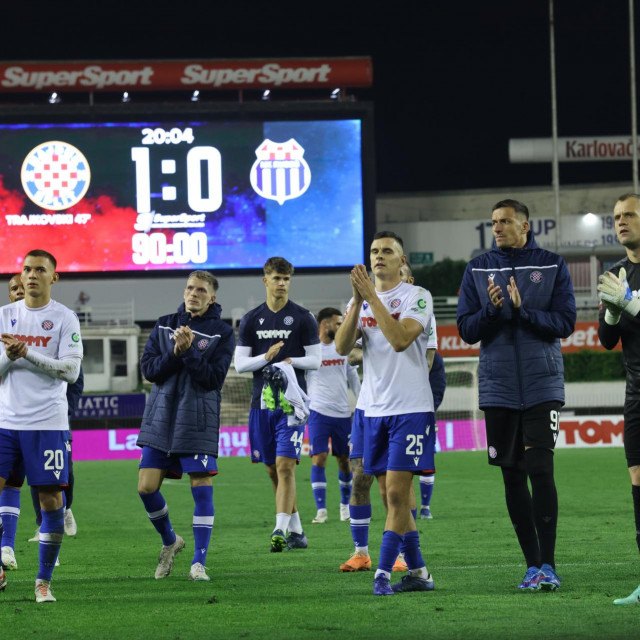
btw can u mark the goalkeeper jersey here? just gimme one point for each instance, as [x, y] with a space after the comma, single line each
[627, 330]
[396, 383]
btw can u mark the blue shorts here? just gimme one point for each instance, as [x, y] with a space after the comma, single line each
[322, 427]
[176, 464]
[41, 455]
[399, 443]
[356, 441]
[270, 436]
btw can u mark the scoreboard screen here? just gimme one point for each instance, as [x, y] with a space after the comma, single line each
[187, 193]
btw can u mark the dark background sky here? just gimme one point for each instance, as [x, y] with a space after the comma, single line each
[453, 81]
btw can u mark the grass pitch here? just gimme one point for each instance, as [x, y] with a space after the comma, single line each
[105, 585]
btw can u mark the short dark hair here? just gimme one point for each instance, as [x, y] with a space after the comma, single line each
[626, 196]
[389, 234]
[207, 277]
[41, 253]
[327, 312]
[278, 265]
[517, 206]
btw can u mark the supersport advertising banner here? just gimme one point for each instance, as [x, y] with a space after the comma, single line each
[167, 195]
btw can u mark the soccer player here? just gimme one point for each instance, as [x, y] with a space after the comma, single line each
[620, 320]
[10, 497]
[393, 318]
[41, 352]
[517, 301]
[330, 415]
[187, 358]
[278, 330]
[360, 504]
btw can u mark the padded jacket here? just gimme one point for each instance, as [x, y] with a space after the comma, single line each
[182, 414]
[520, 359]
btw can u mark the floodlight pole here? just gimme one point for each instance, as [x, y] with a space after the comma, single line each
[555, 172]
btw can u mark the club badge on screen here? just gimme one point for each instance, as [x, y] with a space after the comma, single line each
[55, 175]
[280, 172]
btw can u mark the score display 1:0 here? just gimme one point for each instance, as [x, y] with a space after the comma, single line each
[153, 248]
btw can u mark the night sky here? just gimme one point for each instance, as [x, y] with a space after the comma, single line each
[453, 81]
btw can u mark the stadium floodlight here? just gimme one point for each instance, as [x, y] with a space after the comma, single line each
[126, 97]
[267, 94]
[335, 94]
[195, 96]
[590, 219]
[54, 98]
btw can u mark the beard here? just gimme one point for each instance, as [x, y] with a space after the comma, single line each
[331, 335]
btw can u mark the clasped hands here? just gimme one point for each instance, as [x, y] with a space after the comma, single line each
[496, 296]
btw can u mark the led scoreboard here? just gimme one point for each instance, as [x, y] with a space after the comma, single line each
[188, 193]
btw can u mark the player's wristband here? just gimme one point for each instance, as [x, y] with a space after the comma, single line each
[612, 318]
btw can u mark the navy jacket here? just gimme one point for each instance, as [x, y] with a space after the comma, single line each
[182, 414]
[520, 358]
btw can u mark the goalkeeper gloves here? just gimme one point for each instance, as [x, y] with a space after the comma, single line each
[616, 296]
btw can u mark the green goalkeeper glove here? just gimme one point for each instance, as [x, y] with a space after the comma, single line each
[617, 296]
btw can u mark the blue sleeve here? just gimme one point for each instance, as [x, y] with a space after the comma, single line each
[210, 369]
[560, 319]
[477, 319]
[437, 380]
[157, 366]
[244, 335]
[74, 391]
[309, 334]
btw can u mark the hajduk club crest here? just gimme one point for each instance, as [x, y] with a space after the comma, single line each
[280, 172]
[55, 175]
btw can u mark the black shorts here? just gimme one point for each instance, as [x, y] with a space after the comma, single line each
[509, 431]
[632, 432]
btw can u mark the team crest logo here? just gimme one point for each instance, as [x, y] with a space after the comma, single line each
[13, 322]
[280, 172]
[203, 344]
[55, 175]
[365, 305]
[395, 303]
[493, 454]
[535, 277]
[288, 321]
[47, 325]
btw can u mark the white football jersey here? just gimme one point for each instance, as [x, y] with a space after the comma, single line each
[30, 400]
[396, 383]
[328, 384]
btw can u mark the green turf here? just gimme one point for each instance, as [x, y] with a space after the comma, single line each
[105, 585]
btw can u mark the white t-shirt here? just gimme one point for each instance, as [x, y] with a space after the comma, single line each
[30, 400]
[328, 384]
[396, 383]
